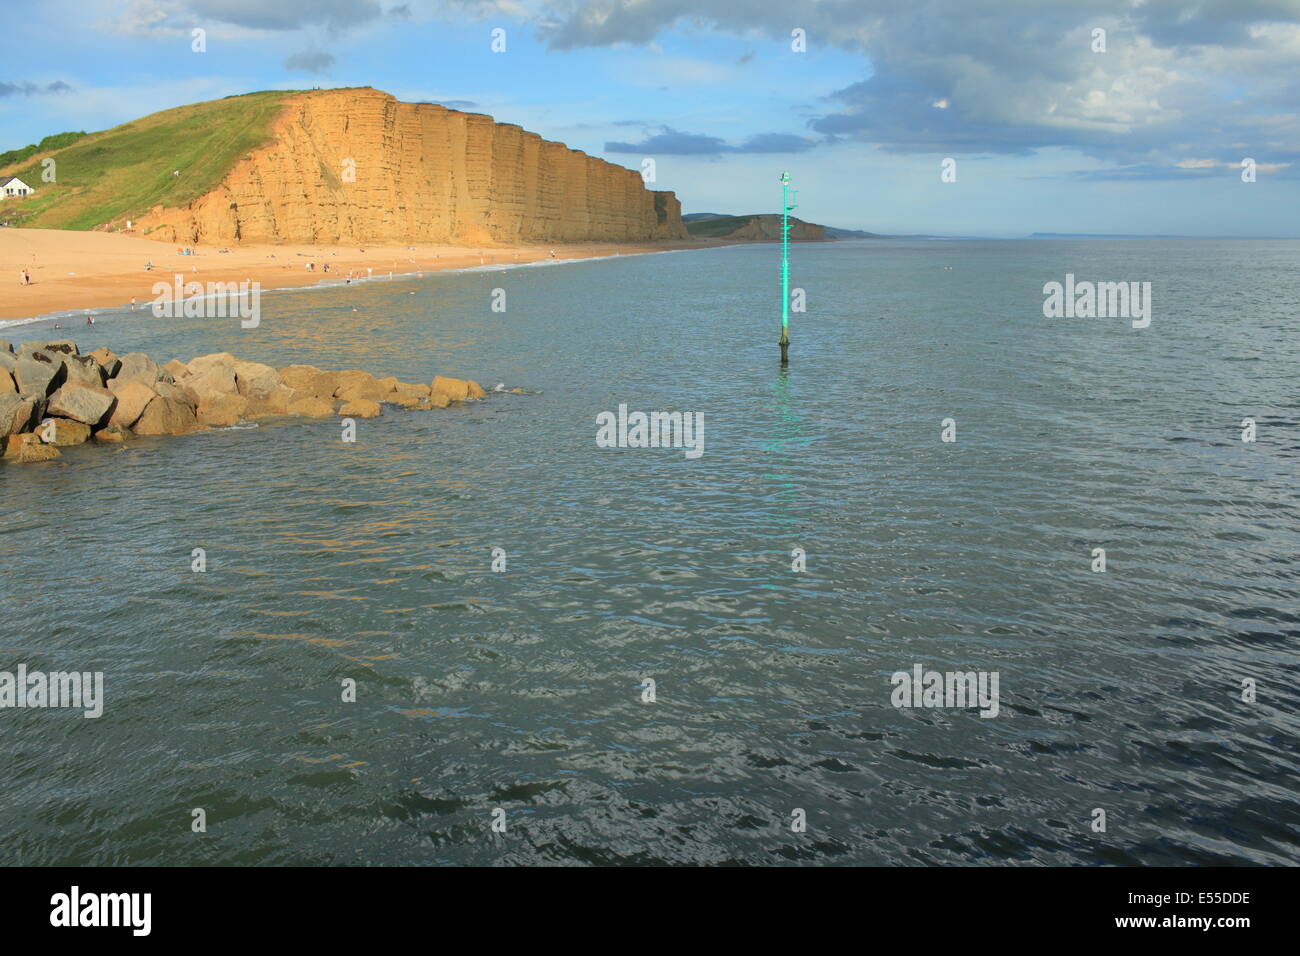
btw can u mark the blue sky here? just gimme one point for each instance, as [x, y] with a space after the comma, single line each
[1048, 134]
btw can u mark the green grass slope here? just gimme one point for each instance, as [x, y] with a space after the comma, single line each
[123, 172]
[717, 227]
[50, 143]
[711, 226]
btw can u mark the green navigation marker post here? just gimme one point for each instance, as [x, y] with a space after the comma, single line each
[787, 195]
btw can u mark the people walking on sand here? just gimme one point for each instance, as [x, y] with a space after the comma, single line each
[27, 277]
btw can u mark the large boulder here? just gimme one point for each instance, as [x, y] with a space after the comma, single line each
[106, 360]
[176, 369]
[360, 408]
[7, 384]
[62, 432]
[162, 416]
[406, 390]
[273, 405]
[321, 385]
[138, 367]
[352, 385]
[222, 411]
[476, 391]
[28, 448]
[208, 381]
[82, 370]
[176, 393]
[17, 414]
[456, 389]
[38, 373]
[82, 403]
[6, 346]
[55, 347]
[301, 377]
[203, 362]
[8, 361]
[256, 380]
[132, 399]
[111, 435]
[310, 406]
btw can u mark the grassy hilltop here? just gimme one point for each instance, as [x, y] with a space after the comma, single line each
[762, 226]
[123, 172]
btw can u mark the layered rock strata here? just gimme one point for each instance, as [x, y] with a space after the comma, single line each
[357, 166]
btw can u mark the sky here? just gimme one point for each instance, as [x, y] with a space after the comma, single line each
[1044, 124]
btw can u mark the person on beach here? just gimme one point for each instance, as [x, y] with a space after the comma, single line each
[27, 279]
[89, 320]
[148, 266]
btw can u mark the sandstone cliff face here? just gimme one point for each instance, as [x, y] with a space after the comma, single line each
[417, 173]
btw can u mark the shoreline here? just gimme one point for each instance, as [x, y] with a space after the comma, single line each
[96, 272]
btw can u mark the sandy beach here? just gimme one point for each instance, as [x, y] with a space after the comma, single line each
[95, 270]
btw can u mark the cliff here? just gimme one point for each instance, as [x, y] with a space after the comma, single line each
[357, 166]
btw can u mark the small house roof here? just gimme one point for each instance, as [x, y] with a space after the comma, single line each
[11, 179]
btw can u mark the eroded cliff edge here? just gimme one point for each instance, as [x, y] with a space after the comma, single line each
[356, 166]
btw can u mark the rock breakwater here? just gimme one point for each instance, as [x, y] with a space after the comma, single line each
[52, 396]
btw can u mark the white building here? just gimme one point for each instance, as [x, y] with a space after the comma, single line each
[13, 186]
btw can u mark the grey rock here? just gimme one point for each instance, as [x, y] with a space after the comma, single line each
[82, 404]
[109, 362]
[83, 370]
[38, 374]
[17, 414]
[162, 416]
[138, 367]
[61, 346]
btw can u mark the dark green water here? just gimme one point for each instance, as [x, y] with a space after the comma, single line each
[522, 690]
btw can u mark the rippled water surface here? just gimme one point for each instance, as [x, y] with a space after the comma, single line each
[522, 690]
